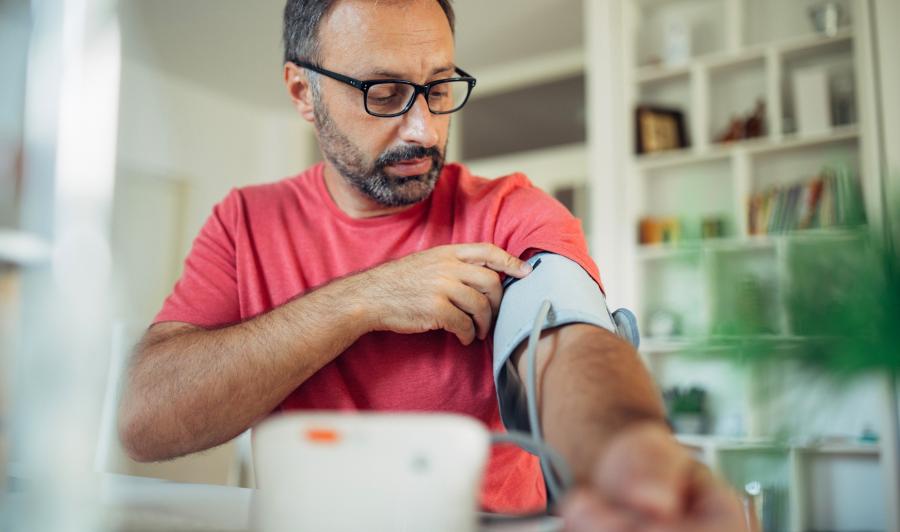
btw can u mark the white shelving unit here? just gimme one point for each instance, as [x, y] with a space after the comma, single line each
[736, 63]
[785, 466]
[743, 51]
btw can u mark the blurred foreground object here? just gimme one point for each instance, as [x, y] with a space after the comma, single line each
[375, 472]
[842, 299]
[63, 203]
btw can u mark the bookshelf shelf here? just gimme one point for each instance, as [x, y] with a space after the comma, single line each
[663, 346]
[666, 251]
[675, 158]
[19, 248]
[815, 44]
[712, 343]
[796, 141]
[730, 60]
[671, 251]
[720, 443]
[653, 74]
[757, 146]
[652, 252]
[792, 47]
[860, 449]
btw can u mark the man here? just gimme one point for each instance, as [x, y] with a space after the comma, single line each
[371, 281]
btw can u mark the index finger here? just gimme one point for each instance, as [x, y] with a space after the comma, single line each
[493, 257]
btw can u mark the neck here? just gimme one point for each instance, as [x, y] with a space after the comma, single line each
[350, 200]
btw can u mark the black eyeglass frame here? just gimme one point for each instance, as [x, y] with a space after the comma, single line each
[365, 85]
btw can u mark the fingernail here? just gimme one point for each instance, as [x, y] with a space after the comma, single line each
[526, 268]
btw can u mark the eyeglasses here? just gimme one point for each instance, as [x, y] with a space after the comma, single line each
[393, 97]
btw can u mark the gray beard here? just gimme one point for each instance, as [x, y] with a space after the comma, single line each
[372, 180]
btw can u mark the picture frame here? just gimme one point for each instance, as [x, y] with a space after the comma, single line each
[659, 129]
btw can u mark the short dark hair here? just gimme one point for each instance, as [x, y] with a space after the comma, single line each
[301, 26]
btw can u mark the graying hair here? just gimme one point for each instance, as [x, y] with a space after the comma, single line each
[301, 27]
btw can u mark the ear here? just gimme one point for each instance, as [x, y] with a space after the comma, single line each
[299, 89]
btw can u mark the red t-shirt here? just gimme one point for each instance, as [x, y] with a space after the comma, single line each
[265, 244]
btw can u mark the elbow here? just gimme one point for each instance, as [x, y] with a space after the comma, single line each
[134, 429]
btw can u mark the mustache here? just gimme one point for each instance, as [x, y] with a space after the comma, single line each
[404, 153]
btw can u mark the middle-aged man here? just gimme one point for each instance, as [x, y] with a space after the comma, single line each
[372, 281]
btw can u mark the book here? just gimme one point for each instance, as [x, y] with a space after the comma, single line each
[832, 198]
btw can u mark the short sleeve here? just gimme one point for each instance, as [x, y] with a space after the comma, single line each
[206, 295]
[530, 221]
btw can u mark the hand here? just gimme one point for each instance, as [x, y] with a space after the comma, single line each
[646, 481]
[455, 288]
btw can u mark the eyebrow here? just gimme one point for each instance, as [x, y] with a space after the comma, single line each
[393, 74]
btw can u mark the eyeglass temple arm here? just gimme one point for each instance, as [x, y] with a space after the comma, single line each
[463, 73]
[333, 75]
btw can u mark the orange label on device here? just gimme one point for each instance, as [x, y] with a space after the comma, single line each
[322, 435]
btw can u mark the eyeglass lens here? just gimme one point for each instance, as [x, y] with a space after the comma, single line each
[392, 98]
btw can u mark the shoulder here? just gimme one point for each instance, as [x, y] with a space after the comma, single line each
[281, 190]
[477, 188]
[270, 197]
[506, 201]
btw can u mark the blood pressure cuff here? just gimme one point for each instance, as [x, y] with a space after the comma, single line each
[574, 298]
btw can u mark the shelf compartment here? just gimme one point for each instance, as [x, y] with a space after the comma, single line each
[701, 17]
[835, 57]
[771, 467]
[495, 125]
[735, 88]
[768, 20]
[854, 503]
[669, 93]
[745, 292]
[525, 73]
[726, 388]
[800, 159]
[675, 289]
[691, 194]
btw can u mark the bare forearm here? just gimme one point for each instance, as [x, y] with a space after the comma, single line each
[593, 385]
[201, 388]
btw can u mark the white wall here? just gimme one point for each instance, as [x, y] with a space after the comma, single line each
[183, 131]
[181, 148]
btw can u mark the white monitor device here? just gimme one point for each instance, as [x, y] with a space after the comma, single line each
[374, 472]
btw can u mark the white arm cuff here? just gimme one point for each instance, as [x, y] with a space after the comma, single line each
[574, 298]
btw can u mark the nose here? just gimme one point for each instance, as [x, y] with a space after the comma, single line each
[419, 125]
